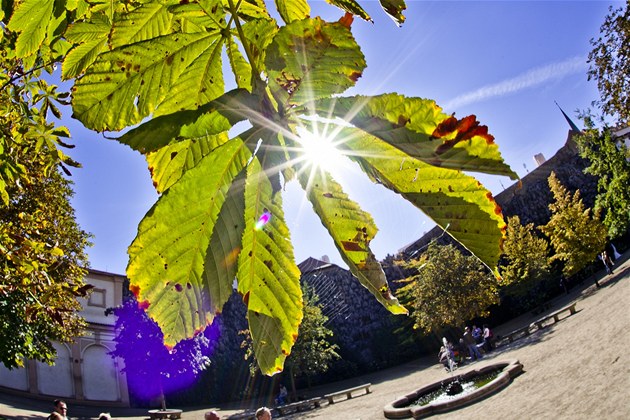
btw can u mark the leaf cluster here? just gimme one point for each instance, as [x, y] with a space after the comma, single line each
[608, 159]
[610, 63]
[448, 289]
[159, 66]
[525, 257]
[576, 235]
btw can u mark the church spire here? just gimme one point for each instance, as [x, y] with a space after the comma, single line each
[571, 123]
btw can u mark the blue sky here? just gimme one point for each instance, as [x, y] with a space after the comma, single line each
[504, 61]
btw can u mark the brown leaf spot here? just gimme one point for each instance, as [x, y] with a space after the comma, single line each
[144, 304]
[351, 246]
[466, 128]
[179, 287]
[402, 121]
[169, 59]
[135, 290]
[347, 19]
[188, 286]
[268, 263]
[173, 154]
[355, 75]
[246, 298]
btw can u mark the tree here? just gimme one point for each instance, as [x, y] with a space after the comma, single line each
[219, 216]
[609, 163]
[610, 63]
[448, 289]
[525, 257]
[312, 353]
[576, 235]
[42, 262]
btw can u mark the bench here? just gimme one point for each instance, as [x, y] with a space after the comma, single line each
[540, 324]
[347, 392]
[299, 406]
[513, 335]
[165, 414]
[534, 326]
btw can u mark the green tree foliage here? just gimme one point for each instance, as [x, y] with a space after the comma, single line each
[312, 353]
[42, 259]
[220, 215]
[609, 163]
[576, 235]
[525, 257]
[610, 63]
[448, 288]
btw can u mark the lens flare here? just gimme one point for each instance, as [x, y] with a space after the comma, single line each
[263, 220]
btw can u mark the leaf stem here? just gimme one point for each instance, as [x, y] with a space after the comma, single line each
[241, 34]
[33, 70]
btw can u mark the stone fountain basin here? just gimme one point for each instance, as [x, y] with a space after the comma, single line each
[401, 408]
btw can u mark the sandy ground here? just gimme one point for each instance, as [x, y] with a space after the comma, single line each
[578, 368]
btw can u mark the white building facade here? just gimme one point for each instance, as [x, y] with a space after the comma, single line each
[84, 371]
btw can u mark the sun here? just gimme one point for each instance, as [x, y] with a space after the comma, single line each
[320, 151]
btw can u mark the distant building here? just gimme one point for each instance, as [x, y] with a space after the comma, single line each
[83, 371]
[539, 158]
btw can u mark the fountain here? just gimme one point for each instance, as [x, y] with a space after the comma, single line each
[455, 391]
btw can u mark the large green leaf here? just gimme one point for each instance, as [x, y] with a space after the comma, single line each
[31, 20]
[158, 76]
[268, 277]
[150, 20]
[196, 16]
[291, 10]
[419, 128]
[258, 35]
[210, 119]
[221, 263]
[166, 259]
[451, 198]
[168, 164]
[352, 229]
[311, 59]
[81, 57]
[240, 67]
[249, 10]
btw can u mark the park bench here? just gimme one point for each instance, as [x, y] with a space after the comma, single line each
[299, 406]
[513, 335]
[165, 414]
[536, 325]
[540, 324]
[347, 392]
